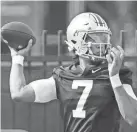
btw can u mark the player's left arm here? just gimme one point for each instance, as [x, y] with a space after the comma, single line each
[125, 96]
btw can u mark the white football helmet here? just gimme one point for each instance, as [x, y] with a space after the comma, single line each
[85, 25]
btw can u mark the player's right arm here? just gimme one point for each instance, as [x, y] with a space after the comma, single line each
[41, 91]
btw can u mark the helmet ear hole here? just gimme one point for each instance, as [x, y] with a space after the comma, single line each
[73, 41]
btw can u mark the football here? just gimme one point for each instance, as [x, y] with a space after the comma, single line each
[18, 35]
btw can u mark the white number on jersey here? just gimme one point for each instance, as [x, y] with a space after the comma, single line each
[88, 84]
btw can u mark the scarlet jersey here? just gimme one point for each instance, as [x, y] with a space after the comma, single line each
[87, 101]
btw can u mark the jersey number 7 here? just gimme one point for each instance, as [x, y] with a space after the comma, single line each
[88, 84]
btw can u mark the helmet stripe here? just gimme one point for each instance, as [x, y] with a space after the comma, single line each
[103, 21]
[96, 20]
[100, 20]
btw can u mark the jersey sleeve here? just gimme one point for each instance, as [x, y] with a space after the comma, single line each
[44, 89]
[126, 79]
[126, 76]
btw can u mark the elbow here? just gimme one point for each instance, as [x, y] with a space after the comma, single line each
[16, 97]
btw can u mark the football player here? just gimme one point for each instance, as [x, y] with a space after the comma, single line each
[93, 89]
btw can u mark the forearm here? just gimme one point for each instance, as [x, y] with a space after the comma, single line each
[127, 104]
[17, 79]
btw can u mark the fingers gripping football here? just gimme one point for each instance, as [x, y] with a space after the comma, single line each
[25, 51]
[22, 52]
[115, 60]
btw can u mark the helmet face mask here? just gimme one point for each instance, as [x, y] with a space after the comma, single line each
[88, 38]
[98, 45]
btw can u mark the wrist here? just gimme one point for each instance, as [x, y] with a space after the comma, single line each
[13, 52]
[18, 59]
[115, 81]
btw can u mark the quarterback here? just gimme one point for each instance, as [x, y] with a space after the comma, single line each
[93, 90]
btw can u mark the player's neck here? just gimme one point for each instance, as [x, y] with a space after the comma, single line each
[83, 63]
